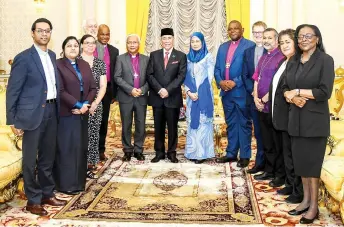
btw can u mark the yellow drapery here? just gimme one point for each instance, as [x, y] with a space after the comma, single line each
[239, 10]
[137, 17]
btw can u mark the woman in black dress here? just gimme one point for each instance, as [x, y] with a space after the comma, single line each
[78, 90]
[308, 86]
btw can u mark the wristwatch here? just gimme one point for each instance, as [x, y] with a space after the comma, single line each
[297, 92]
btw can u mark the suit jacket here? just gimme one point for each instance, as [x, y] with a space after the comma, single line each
[313, 120]
[170, 78]
[248, 68]
[26, 92]
[238, 93]
[124, 79]
[113, 51]
[281, 107]
[70, 84]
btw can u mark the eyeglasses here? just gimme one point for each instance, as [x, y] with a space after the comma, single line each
[133, 42]
[257, 33]
[92, 26]
[308, 36]
[41, 31]
[89, 43]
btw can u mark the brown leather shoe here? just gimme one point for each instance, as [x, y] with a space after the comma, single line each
[53, 201]
[36, 209]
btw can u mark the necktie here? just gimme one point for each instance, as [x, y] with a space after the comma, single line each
[166, 59]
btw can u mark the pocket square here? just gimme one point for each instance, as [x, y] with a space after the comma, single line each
[174, 62]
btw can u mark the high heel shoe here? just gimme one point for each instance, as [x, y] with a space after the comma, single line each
[304, 220]
[297, 212]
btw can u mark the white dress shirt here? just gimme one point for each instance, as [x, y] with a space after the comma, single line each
[49, 72]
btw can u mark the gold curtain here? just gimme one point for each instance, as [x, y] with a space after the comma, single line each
[137, 19]
[239, 10]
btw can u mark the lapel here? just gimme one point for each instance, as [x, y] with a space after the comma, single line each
[128, 62]
[291, 70]
[70, 67]
[251, 55]
[171, 59]
[283, 73]
[38, 62]
[160, 59]
[53, 60]
[239, 49]
[311, 62]
[142, 64]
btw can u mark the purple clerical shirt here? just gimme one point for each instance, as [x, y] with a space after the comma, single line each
[135, 62]
[265, 71]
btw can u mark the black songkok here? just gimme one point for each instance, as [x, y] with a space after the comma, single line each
[167, 31]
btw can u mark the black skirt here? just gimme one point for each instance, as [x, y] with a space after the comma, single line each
[71, 156]
[308, 155]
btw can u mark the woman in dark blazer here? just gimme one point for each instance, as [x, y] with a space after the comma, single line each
[308, 86]
[279, 115]
[77, 89]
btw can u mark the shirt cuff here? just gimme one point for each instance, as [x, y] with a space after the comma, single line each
[78, 105]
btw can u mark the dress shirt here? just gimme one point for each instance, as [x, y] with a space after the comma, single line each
[266, 69]
[230, 53]
[49, 72]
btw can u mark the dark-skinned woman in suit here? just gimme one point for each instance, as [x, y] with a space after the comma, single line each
[77, 90]
[279, 116]
[308, 86]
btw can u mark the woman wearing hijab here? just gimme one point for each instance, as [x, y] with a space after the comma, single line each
[199, 101]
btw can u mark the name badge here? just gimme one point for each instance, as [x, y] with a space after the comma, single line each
[228, 65]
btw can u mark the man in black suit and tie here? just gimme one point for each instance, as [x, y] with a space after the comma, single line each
[108, 54]
[165, 74]
[132, 95]
[32, 106]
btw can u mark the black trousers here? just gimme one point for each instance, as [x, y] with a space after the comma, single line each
[39, 148]
[273, 151]
[161, 116]
[106, 101]
[291, 180]
[127, 111]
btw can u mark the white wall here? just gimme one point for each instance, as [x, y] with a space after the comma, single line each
[328, 15]
[17, 16]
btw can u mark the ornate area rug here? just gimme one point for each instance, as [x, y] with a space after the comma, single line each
[167, 192]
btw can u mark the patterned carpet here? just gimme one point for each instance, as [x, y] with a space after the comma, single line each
[271, 210]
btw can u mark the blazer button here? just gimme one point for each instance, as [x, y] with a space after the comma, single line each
[45, 92]
[43, 105]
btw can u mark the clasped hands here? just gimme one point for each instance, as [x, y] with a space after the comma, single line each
[260, 103]
[292, 97]
[136, 92]
[193, 96]
[227, 85]
[163, 93]
[83, 109]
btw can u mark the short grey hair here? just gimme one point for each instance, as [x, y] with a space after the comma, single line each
[272, 30]
[135, 35]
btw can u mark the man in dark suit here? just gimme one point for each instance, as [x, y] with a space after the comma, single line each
[32, 106]
[165, 74]
[132, 95]
[108, 54]
[251, 59]
[228, 75]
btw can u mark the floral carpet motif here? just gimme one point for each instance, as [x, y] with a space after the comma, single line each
[167, 192]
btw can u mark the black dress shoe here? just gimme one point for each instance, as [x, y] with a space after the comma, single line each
[102, 157]
[226, 159]
[304, 220]
[126, 157]
[285, 191]
[199, 161]
[277, 182]
[294, 199]
[157, 158]
[71, 192]
[243, 162]
[255, 169]
[264, 176]
[173, 157]
[139, 156]
[297, 212]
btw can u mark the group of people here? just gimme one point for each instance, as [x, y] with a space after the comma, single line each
[280, 84]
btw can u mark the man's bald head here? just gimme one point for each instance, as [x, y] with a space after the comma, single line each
[235, 30]
[103, 34]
